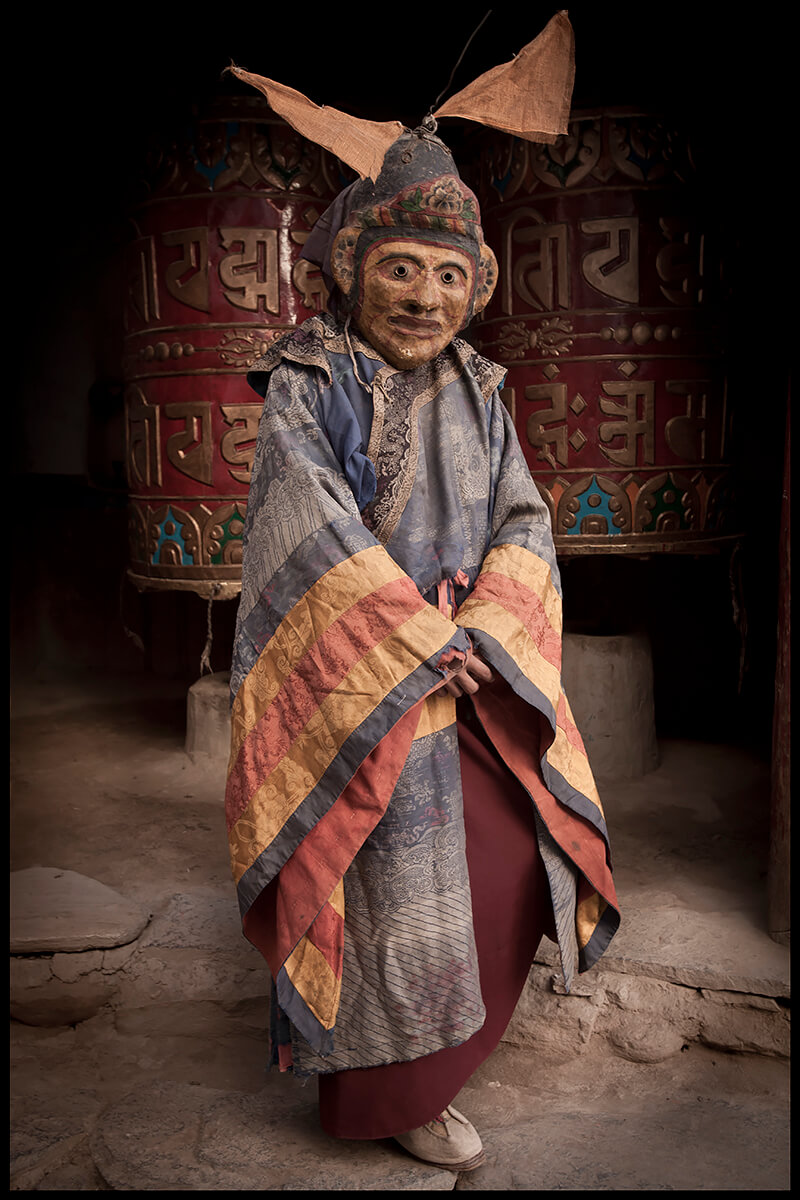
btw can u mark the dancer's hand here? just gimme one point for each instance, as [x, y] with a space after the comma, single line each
[468, 680]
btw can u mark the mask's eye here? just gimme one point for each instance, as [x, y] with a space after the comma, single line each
[448, 277]
[400, 271]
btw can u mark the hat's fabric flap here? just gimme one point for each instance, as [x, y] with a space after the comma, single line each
[359, 143]
[530, 95]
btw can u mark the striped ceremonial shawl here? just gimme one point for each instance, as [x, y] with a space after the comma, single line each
[392, 523]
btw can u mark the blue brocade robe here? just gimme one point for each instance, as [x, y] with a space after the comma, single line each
[392, 523]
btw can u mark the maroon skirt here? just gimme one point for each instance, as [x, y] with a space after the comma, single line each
[511, 911]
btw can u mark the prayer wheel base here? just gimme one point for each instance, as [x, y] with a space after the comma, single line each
[609, 684]
[207, 589]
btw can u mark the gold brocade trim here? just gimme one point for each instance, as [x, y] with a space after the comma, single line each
[587, 917]
[308, 352]
[311, 975]
[336, 899]
[321, 336]
[394, 438]
[438, 712]
[396, 458]
[403, 477]
[378, 416]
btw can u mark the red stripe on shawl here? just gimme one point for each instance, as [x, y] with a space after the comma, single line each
[526, 605]
[321, 669]
[572, 733]
[327, 934]
[507, 720]
[289, 904]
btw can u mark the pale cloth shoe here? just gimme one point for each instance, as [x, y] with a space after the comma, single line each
[449, 1141]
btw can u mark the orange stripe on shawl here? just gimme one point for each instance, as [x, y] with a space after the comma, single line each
[313, 978]
[438, 712]
[325, 933]
[523, 566]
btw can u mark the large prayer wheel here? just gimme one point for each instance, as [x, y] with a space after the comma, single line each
[608, 313]
[214, 276]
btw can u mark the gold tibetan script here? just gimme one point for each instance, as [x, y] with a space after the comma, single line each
[538, 435]
[237, 445]
[249, 275]
[190, 450]
[143, 450]
[187, 278]
[613, 270]
[629, 426]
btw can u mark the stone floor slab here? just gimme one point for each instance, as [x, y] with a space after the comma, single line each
[179, 1137]
[733, 1147]
[54, 909]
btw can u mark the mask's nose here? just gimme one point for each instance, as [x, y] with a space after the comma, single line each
[425, 293]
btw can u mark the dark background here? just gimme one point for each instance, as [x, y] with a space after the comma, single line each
[90, 93]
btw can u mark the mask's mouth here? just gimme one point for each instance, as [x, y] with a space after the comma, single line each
[419, 325]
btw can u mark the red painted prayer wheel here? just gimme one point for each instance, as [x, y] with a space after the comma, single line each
[607, 313]
[214, 276]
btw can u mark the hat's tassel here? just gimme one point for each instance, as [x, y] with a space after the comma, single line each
[366, 386]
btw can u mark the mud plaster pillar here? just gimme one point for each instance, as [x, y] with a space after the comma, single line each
[208, 721]
[609, 684]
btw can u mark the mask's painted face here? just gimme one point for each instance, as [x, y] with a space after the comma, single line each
[416, 296]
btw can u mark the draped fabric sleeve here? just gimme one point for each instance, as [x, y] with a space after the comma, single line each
[513, 614]
[334, 652]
